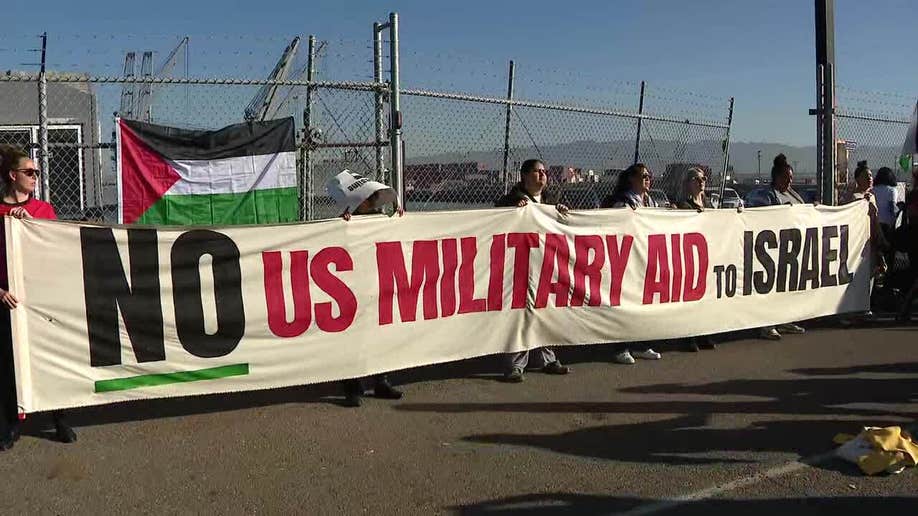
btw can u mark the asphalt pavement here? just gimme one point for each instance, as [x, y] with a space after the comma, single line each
[744, 429]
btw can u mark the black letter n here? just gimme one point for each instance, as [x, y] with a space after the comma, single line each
[106, 291]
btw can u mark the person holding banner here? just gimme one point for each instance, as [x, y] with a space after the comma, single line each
[695, 199]
[19, 177]
[910, 234]
[886, 196]
[358, 195]
[863, 191]
[531, 189]
[632, 190]
[781, 192]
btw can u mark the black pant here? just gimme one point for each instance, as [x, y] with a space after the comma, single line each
[356, 384]
[9, 409]
[9, 405]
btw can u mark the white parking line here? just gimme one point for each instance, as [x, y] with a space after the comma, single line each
[777, 471]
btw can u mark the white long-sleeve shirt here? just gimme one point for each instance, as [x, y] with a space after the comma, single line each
[886, 197]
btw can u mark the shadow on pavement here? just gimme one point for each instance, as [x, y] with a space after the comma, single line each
[668, 441]
[899, 368]
[683, 440]
[810, 396]
[803, 395]
[571, 503]
[173, 407]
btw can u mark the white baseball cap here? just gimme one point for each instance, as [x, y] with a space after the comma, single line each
[349, 190]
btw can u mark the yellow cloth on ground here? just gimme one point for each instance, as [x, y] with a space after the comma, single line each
[876, 450]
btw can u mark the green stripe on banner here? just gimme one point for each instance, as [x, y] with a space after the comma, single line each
[267, 206]
[153, 380]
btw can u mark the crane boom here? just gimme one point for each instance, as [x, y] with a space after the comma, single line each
[266, 98]
[126, 109]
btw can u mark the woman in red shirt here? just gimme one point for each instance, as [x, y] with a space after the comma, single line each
[18, 176]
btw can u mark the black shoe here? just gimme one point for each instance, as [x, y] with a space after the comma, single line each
[514, 376]
[691, 345]
[353, 390]
[556, 368]
[385, 391]
[706, 342]
[14, 431]
[63, 433]
[9, 439]
[352, 399]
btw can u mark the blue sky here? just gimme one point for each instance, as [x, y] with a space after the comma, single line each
[762, 53]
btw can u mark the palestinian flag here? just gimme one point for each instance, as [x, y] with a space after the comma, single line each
[241, 174]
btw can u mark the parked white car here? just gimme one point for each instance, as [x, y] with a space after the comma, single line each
[731, 199]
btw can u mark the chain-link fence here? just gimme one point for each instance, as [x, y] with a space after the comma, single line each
[460, 150]
[464, 151]
[873, 126]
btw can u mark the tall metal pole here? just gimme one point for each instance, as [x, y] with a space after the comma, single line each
[377, 78]
[395, 117]
[723, 182]
[306, 208]
[829, 192]
[820, 103]
[506, 169]
[43, 123]
[758, 155]
[825, 99]
[637, 139]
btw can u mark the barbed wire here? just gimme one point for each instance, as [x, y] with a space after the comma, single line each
[458, 150]
[895, 107]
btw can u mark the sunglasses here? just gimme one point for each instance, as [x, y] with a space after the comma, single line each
[31, 172]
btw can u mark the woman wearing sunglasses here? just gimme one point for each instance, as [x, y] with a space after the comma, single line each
[18, 177]
[693, 198]
[632, 190]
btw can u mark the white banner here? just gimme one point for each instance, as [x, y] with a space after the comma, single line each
[119, 313]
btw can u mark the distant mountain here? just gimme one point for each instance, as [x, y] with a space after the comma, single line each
[619, 154]
[743, 157]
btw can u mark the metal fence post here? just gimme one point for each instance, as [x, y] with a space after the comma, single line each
[506, 169]
[726, 147]
[395, 116]
[378, 94]
[306, 190]
[43, 124]
[640, 121]
[820, 102]
[829, 193]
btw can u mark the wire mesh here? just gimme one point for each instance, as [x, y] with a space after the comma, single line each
[455, 147]
[583, 152]
[453, 153]
[460, 152]
[874, 125]
[344, 136]
[671, 148]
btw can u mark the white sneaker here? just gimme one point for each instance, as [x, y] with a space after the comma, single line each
[648, 354]
[791, 328]
[623, 358]
[770, 333]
